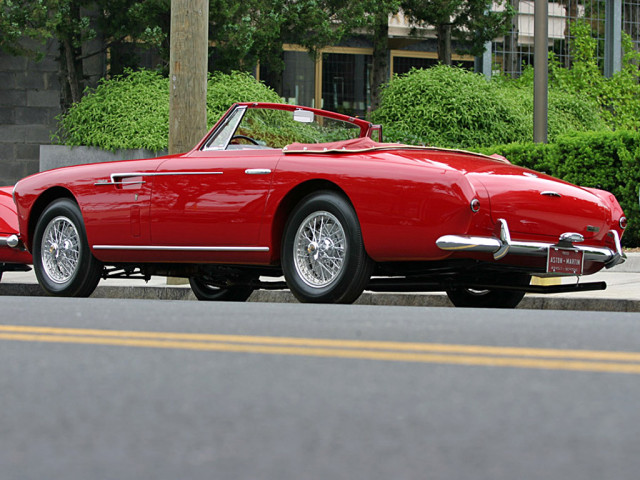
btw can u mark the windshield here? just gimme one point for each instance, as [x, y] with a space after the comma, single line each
[271, 128]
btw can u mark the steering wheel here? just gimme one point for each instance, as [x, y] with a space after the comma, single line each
[244, 137]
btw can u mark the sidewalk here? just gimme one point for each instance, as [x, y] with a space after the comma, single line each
[622, 293]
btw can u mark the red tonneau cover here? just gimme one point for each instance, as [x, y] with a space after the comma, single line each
[366, 144]
[362, 144]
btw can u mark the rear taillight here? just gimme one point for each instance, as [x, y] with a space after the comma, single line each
[623, 222]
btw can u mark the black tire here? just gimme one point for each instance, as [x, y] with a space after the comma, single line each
[211, 293]
[68, 269]
[332, 246]
[466, 297]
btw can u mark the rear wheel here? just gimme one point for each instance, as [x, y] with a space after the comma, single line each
[62, 260]
[323, 255]
[208, 292]
[491, 298]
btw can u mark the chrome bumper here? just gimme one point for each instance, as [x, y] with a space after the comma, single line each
[11, 241]
[501, 245]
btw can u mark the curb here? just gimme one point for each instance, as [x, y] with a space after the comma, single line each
[533, 302]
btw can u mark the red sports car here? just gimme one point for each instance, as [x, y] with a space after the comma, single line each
[280, 190]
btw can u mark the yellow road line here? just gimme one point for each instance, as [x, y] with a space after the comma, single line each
[473, 355]
[332, 343]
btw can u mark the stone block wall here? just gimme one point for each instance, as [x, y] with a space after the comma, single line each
[29, 103]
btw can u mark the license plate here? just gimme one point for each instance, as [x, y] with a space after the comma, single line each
[564, 261]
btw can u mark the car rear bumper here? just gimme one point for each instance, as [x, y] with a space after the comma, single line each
[502, 245]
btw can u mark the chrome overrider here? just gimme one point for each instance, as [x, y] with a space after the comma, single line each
[501, 245]
[11, 241]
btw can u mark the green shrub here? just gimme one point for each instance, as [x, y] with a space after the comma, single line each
[448, 107]
[451, 107]
[132, 110]
[606, 160]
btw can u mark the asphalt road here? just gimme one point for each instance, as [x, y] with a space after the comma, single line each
[132, 389]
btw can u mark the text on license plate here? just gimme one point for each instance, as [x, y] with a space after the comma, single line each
[565, 261]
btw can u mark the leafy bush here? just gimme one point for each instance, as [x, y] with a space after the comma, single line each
[618, 97]
[132, 110]
[448, 107]
[606, 160]
[452, 107]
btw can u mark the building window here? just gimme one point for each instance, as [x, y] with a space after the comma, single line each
[298, 82]
[346, 83]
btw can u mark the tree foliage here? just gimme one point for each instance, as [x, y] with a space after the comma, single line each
[20, 20]
[72, 23]
[472, 22]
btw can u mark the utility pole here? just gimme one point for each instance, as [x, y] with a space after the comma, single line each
[188, 73]
[540, 70]
[612, 37]
[188, 58]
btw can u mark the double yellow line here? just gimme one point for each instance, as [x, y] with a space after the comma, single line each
[471, 355]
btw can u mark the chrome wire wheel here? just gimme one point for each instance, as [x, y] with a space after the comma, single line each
[320, 249]
[60, 249]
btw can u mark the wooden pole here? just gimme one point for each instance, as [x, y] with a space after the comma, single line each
[188, 73]
[188, 58]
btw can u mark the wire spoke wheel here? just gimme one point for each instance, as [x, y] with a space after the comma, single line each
[320, 249]
[323, 255]
[60, 249]
[62, 259]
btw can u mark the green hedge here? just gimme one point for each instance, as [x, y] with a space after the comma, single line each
[606, 160]
[132, 110]
[452, 107]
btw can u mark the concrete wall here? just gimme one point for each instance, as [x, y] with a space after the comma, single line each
[29, 103]
[55, 156]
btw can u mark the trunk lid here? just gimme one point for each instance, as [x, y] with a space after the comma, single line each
[531, 202]
[536, 204]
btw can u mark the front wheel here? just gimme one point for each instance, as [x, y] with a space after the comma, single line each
[491, 298]
[212, 293]
[62, 260]
[323, 255]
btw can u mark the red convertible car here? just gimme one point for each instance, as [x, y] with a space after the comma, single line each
[280, 190]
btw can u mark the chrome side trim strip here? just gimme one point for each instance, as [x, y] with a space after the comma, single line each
[168, 248]
[115, 176]
[139, 182]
